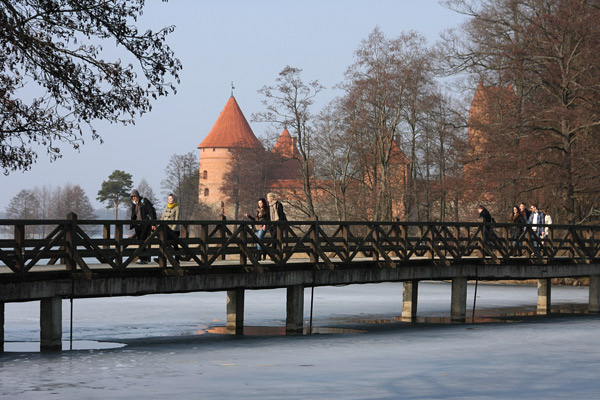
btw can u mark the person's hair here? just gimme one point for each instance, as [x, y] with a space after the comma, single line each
[514, 215]
[480, 207]
[265, 203]
[171, 195]
[534, 205]
[271, 195]
[523, 204]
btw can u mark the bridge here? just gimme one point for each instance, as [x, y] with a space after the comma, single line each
[53, 260]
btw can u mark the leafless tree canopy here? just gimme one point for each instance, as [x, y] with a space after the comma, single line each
[543, 142]
[60, 72]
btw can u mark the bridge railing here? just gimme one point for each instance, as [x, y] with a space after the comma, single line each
[205, 245]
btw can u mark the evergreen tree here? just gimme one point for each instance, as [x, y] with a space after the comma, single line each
[115, 190]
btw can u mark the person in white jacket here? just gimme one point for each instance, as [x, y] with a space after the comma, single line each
[546, 230]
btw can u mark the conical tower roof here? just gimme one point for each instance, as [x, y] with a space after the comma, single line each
[231, 129]
[286, 145]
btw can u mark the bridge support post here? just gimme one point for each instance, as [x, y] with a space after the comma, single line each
[1, 327]
[51, 323]
[594, 302]
[458, 307]
[294, 321]
[544, 295]
[235, 311]
[410, 293]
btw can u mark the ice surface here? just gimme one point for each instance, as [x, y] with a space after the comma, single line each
[167, 358]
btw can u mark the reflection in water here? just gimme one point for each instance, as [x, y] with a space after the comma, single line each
[34, 347]
[506, 314]
[279, 330]
[490, 315]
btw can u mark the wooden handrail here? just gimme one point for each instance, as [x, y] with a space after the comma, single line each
[206, 244]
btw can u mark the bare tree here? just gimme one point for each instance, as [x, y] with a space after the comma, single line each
[24, 205]
[146, 190]
[246, 180]
[383, 88]
[181, 179]
[56, 77]
[70, 198]
[336, 155]
[547, 49]
[288, 104]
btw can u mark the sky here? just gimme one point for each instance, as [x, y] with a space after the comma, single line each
[244, 42]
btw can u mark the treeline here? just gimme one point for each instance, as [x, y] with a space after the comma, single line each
[54, 203]
[49, 203]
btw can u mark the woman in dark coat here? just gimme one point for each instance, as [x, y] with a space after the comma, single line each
[261, 214]
[516, 218]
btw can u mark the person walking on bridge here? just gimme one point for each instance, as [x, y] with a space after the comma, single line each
[142, 210]
[171, 213]
[486, 217]
[536, 217]
[276, 212]
[517, 218]
[261, 214]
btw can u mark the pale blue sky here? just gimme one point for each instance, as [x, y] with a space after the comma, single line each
[247, 42]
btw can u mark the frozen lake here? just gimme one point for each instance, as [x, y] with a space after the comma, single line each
[168, 352]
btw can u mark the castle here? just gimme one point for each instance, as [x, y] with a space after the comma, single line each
[232, 132]
[231, 139]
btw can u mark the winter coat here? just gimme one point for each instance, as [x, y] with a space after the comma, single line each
[147, 210]
[171, 214]
[541, 220]
[260, 215]
[485, 215]
[276, 211]
[515, 231]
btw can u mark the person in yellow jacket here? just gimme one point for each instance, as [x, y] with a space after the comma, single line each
[171, 213]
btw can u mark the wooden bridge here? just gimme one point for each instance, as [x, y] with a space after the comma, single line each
[97, 258]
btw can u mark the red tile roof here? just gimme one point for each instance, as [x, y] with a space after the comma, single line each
[231, 129]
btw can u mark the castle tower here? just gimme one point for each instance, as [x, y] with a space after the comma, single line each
[489, 116]
[230, 131]
[288, 166]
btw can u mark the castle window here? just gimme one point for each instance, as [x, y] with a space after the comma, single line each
[205, 174]
[214, 149]
[205, 192]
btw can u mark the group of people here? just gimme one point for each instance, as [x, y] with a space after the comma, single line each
[142, 209]
[533, 216]
[520, 215]
[270, 209]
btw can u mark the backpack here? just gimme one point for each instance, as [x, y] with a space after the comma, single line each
[280, 212]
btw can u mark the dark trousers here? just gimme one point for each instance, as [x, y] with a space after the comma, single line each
[142, 233]
[176, 246]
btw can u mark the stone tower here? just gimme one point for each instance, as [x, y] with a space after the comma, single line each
[230, 131]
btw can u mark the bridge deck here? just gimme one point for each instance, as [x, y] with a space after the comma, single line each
[298, 253]
[221, 256]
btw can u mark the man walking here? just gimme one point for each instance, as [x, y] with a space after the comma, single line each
[142, 210]
[536, 217]
[486, 218]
